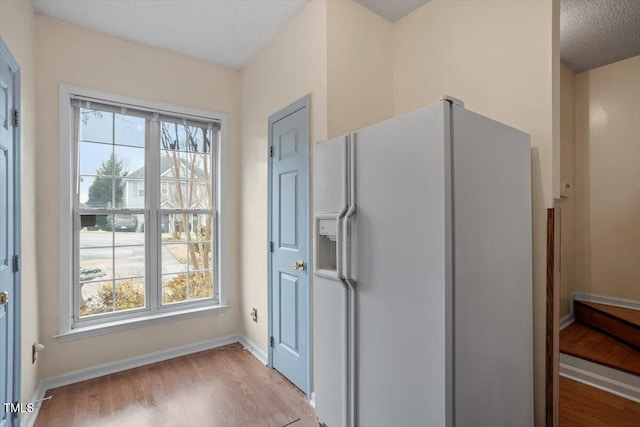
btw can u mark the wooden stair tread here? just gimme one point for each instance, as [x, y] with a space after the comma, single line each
[627, 314]
[581, 341]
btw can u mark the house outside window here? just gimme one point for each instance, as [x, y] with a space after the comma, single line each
[144, 211]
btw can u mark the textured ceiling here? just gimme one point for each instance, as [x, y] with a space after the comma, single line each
[227, 32]
[392, 10]
[598, 32]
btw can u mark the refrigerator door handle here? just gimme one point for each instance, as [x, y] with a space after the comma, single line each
[351, 211]
[348, 242]
[339, 246]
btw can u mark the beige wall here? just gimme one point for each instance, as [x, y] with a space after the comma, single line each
[340, 53]
[567, 175]
[360, 67]
[499, 57]
[69, 54]
[16, 29]
[607, 132]
[293, 65]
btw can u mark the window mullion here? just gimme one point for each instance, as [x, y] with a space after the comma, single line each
[152, 200]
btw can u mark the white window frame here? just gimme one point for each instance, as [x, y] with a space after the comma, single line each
[69, 331]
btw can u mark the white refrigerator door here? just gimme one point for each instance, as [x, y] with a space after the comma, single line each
[329, 294]
[402, 304]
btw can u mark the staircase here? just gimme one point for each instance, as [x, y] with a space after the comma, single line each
[604, 334]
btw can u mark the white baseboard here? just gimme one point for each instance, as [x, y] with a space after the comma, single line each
[255, 350]
[28, 419]
[122, 365]
[134, 362]
[599, 299]
[566, 321]
[312, 402]
[601, 377]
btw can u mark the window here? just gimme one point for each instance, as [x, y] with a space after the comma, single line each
[144, 215]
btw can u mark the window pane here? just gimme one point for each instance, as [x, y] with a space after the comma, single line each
[174, 258]
[202, 164]
[183, 287]
[130, 161]
[96, 126]
[182, 225]
[95, 235]
[199, 166]
[200, 285]
[132, 193]
[173, 136]
[96, 264]
[95, 158]
[130, 293]
[199, 256]
[130, 130]
[200, 141]
[176, 195]
[201, 227]
[200, 195]
[129, 261]
[96, 298]
[174, 288]
[173, 164]
[96, 192]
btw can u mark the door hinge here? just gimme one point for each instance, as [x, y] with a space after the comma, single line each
[270, 246]
[271, 342]
[16, 118]
[271, 151]
[16, 263]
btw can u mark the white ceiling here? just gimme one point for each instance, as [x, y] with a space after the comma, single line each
[232, 32]
[227, 32]
[598, 32]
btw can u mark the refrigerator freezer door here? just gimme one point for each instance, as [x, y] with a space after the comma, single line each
[330, 368]
[330, 205]
[329, 295]
[329, 176]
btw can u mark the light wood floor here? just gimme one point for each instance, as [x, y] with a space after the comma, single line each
[226, 386]
[584, 406]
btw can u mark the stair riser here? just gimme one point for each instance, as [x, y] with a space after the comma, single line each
[615, 328]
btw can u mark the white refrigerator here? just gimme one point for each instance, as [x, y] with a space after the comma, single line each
[423, 273]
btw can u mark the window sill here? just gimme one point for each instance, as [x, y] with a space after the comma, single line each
[137, 322]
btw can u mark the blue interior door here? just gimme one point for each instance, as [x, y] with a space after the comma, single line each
[290, 239]
[7, 276]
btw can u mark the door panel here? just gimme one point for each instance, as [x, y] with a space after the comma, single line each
[7, 277]
[289, 230]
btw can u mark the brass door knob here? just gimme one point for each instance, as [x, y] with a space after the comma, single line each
[4, 297]
[298, 265]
